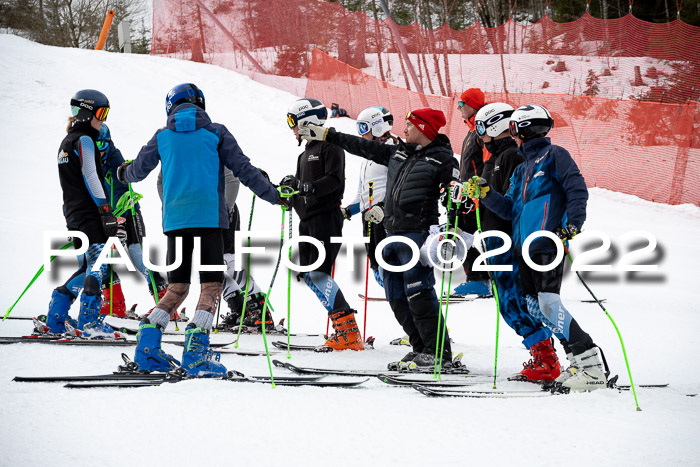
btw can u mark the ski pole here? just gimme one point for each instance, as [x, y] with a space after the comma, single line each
[617, 330]
[328, 320]
[289, 288]
[493, 282]
[369, 234]
[449, 281]
[36, 276]
[247, 274]
[285, 192]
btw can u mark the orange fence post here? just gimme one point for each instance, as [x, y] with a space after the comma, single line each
[105, 30]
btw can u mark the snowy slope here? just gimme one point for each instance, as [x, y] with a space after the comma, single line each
[210, 422]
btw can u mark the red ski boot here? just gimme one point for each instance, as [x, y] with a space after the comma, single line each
[543, 366]
[117, 299]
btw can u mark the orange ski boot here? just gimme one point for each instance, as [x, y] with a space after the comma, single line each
[346, 335]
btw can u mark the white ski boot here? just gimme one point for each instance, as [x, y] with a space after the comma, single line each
[588, 372]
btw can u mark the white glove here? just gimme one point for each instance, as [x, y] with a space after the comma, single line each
[309, 132]
[374, 215]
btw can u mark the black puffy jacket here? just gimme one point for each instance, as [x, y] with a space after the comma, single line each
[413, 180]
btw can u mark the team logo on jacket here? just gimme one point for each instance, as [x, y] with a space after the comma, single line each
[62, 157]
[312, 157]
[538, 174]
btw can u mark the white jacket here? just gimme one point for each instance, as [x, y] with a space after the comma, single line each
[371, 172]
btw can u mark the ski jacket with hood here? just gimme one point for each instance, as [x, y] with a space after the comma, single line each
[193, 152]
[546, 191]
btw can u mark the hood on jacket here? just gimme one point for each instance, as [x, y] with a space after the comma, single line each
[187, 117]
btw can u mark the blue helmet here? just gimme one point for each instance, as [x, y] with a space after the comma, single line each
[181, 94]
[89, 102]
[104, 139]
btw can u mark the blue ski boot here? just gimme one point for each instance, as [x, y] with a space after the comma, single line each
[58, 312]
[149, 356]
[90, 321]
[198, 359]
[480, 288]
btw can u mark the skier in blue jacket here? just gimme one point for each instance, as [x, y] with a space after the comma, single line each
[547, 192]
[192, 151]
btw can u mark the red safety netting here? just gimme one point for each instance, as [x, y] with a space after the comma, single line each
[646, 149]
[623, 92]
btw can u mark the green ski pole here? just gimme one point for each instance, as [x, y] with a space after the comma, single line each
[36, 276]
[617, 330]
[493, 283]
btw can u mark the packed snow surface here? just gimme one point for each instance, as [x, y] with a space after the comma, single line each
[216, 423]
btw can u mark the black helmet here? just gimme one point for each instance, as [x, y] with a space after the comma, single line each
[87, 103]
[181, 94]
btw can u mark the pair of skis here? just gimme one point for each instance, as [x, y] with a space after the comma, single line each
[58, 339]
[128, 376]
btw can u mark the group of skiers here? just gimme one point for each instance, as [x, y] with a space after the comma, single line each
[508, 165]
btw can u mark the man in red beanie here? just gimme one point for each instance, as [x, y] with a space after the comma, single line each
[471, 163]
[416, 169]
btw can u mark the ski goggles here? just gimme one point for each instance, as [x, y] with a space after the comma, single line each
[363, 128]
[461, 104]
[292, 120]
[480, 127]
[513, 128]
[101, 113]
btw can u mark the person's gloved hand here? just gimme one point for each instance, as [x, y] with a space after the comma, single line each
[121, 170]
[290, 181]
[477, 187]
[310, 132]
[568, 232]
[109, 221]
[285, 202]
[375, 215]
[346, 213]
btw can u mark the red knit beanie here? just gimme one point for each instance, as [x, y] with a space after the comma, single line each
[428, 121]
[474, 98]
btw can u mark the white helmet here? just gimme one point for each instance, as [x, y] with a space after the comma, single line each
[493, 119]
[377, 119]
[530, 121]
[307, 110]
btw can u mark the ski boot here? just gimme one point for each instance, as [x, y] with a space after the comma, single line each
[346, 335]
[591, 372]
[198, 359]
[254, 311]
[424, 361]
[396, 366]
[58, 312]
[116, 297]
[235, 306]
[149, 356]
[480, 288]
[542, 367]
[91, 322]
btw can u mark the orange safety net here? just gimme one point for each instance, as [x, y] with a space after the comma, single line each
[646, 149]
[623, 92]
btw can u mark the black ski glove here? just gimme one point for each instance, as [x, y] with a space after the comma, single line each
[109, 221]
[121, 169]
[568, 232]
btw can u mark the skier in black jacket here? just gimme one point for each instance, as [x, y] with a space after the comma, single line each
[87, 210]
[320, 180]
[491, 125]
[471, 163]
[416, 170]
